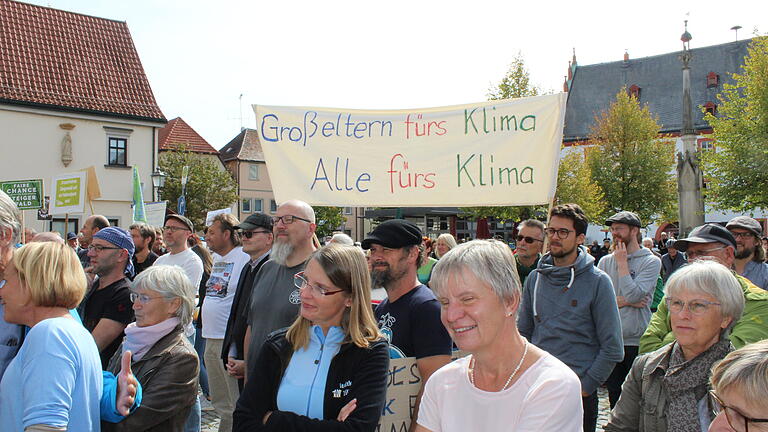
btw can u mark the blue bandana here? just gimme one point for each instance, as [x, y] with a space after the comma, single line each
[122, 239]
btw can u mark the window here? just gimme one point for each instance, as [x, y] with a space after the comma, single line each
[347, 210]
[634, 91]
[115, 222]
[706, 144]
[246, 205]
[713, 80]
[710, 107]
[117, 146]
[57, 224]
[272, 206]
[253, 172]
[258, 205]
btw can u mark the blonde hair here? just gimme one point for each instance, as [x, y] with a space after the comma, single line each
[448, 239]
[51, 273]
[745, 370]
[347, 269]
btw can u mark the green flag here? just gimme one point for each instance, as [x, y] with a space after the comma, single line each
[139, 215]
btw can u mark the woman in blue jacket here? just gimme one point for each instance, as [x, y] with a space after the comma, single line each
[328, 371]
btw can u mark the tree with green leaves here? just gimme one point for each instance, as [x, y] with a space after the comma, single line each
[630, 164]
[738, 170]
[576, 185]
[208, 186]
[329, 219]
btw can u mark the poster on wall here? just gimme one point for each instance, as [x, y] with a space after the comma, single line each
[68, 193]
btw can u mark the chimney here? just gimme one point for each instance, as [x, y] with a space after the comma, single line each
[626, 56]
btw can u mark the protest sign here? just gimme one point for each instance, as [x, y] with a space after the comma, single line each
[155, 212]
[503, 152]
[68, 193]
[27, 194]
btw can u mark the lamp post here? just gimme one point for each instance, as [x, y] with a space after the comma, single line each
[158, 182]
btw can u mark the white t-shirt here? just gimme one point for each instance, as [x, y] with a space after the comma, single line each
[187, 260]
[220, 291]
[546, 397]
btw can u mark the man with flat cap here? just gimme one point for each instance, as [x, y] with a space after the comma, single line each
[634, 271]
[410, 315]
[712, 241]
[750, 255]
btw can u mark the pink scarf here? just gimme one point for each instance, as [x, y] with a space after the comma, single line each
[138, 340]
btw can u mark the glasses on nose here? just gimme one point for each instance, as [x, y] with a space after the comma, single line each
[249, 234]
[529, 240]
[142, 298]
[172, 229]
[736, 420]
[695, 307]
[300, 282]
[742, 235]
[693, 254]
[288, 219]
[561, 233]
[99, 248]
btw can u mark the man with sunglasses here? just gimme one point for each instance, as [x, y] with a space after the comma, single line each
[274, 298]
[530, 242]
[750, 255]
[712, 241]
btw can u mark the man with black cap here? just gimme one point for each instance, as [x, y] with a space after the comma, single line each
[256, 236]
[671, 261]
[750, 255]
[107, 309]
[712, 241]
[634, 271]
[410, 315]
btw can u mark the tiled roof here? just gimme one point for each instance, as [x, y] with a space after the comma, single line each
[660, 79]
[177, 133]
[245, 146]
[68, 61]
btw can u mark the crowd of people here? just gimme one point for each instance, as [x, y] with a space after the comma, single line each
[125, 330]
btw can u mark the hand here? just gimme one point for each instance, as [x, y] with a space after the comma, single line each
[126, 386]
[621, 301]
[88, 269]
[236, 368]
[346, 410]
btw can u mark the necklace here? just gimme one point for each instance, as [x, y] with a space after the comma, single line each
[509, 380]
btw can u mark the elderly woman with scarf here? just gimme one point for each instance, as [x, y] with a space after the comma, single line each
[667, 390]
[164, 361]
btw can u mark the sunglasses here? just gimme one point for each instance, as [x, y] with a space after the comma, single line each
[527, 239]
[249, 234]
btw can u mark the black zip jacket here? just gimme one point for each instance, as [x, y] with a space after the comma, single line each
[362, 371]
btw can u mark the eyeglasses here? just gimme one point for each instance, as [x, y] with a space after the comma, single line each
[561, 233]
[300, 282]
[695, 307]
[693, 254]
[249, 234]
[99, 248]
[174, 229]
[742, 235]
[736, 420]
[142, 298]
[530, 240]
[288, 219]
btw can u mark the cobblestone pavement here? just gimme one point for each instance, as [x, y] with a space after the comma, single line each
[211, 420]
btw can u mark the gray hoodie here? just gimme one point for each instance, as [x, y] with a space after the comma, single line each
[644, 271]
[571, 313]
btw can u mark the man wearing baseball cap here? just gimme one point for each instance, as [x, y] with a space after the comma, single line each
[634, 271]
[176, 230]
[410, 315]
[714, 242]
[750, 255]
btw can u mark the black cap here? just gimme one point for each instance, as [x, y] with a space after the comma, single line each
[256, 220]
[707, 233]
[183, 220]
[747, 223]
[71, 235]
[625, 217]
[395, 233]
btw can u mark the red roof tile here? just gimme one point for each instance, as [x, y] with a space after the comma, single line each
[178, 133]
[65, 60]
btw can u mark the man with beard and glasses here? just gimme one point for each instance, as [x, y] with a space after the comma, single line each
[750, 255]
[530, 241]
[143, 237]
[410, 315]
[274, 298]
[568, 307]
[634, 271]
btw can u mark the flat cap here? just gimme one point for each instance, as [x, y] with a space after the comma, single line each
[747, 223]
[183, 220]
[707, 233]
[395, 233]
[625, 217]
[256, 220]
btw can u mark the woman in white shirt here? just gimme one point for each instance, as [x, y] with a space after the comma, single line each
[506, 383]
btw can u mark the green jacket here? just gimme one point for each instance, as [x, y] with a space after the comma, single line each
[752, 327]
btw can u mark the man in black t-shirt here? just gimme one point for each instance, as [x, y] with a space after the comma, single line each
[107, 309]
[410, 315]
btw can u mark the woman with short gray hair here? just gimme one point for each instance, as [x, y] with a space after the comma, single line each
[164, 361]
[667, 389]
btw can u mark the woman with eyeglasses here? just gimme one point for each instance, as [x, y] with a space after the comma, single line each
[667, 390]
[328, 371]
[739, 388]
[163, 360]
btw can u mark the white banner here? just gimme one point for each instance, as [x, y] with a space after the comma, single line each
[494, 153]
[68, 193]
[155, 212]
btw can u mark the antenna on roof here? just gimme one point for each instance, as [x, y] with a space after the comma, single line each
[241, 112]
[736, 30]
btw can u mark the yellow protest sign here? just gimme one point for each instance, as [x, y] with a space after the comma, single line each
[490, 153]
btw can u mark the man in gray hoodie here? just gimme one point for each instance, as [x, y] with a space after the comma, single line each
[634, 271]
[569, 308]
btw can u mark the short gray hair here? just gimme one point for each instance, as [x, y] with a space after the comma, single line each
[491, 261]
[532, 223]
[10, 217]
[712, 278]
[744, 370]
[170, 282]
[342, 238]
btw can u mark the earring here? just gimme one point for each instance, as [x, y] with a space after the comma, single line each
[509, 314]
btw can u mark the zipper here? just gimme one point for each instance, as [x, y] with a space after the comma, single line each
[314, 378]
